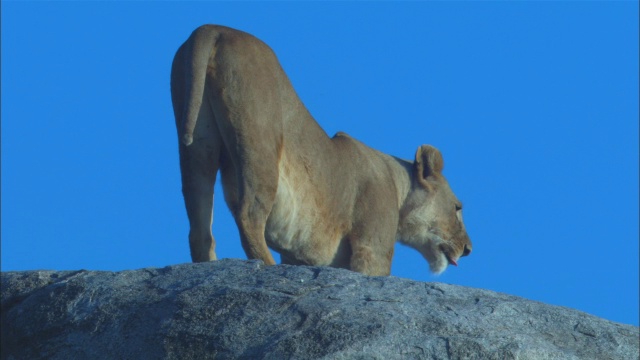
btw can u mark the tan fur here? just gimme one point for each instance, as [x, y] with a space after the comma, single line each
[316, 200]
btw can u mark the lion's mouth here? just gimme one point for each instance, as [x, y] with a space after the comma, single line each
[450, 259]
[448, 253]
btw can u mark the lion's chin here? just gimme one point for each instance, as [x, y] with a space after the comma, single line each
[438, 263]
[432, 250]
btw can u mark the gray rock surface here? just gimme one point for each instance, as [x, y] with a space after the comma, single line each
[232, 309]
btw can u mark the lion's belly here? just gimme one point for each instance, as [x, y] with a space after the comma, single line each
[298, 226]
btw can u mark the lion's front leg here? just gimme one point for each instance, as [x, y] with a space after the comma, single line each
[287, 260]
[373, 235]
[371, 261]
[372, 246]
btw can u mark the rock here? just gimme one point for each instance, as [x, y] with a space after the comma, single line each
[232, 309]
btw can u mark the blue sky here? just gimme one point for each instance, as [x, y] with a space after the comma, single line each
[534, 106]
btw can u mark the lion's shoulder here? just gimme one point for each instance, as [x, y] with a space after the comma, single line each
[342, 134]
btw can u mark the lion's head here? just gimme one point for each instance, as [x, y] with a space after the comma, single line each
[431, 216]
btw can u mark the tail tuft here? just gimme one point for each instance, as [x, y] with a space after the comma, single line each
[187, 139]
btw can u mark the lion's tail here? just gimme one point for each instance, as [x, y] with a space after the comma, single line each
[199, 49]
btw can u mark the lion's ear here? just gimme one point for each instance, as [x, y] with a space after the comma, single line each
[428, 162]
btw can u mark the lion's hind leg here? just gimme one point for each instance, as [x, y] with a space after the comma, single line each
[199, 163]
[198, 178]
[257, 182]
[259, 185]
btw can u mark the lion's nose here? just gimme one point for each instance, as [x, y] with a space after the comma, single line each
[467, 250]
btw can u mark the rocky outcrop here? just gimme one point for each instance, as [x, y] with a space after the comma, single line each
[232, 309]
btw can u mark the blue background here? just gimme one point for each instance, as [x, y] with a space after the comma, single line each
[533, 104]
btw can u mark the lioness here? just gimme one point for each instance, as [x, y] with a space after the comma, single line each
[315, 200]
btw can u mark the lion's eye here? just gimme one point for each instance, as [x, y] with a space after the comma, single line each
[458, 207]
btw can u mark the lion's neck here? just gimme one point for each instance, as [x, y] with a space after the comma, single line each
[402, 173]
